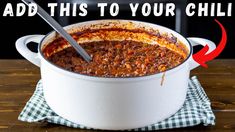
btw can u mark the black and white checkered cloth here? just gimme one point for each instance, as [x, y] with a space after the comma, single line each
[196, 110]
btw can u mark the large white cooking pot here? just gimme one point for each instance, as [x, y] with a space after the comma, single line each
[112, 103]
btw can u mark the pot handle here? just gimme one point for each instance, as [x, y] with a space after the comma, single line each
[200, 41]
[21, 46]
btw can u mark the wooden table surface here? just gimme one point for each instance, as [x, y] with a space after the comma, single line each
[18, 79]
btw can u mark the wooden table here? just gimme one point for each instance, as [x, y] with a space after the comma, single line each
[18, 79]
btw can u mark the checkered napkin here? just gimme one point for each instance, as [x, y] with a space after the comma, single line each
[196, 110]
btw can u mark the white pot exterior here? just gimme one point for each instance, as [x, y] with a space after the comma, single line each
[113, 103]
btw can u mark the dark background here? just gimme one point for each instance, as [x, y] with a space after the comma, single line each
[14, 27]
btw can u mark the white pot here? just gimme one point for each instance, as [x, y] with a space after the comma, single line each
[112, 103]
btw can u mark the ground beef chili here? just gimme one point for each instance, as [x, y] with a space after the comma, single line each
[118, 59]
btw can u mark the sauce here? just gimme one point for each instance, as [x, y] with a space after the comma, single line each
[117, 58]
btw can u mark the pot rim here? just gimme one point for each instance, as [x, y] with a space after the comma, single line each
[98, 77]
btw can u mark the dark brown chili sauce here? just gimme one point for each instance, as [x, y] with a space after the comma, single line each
[116, 58]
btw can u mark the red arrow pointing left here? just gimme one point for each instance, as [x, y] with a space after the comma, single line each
[201, 57]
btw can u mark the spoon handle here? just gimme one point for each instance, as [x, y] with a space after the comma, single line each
[56, 26]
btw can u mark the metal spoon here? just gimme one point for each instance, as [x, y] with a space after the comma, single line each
[56, 26]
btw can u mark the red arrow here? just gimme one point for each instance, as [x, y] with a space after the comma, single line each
[201, 57]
